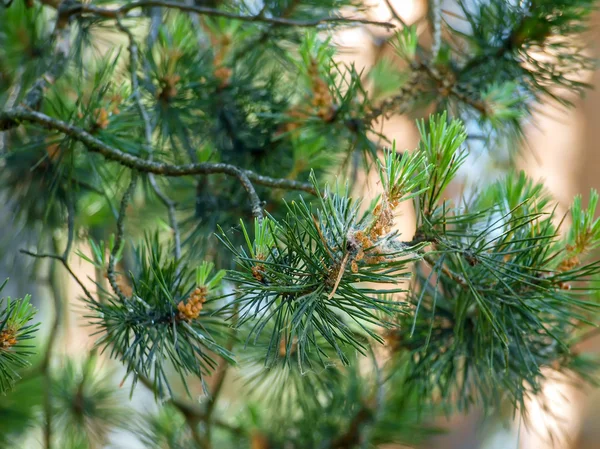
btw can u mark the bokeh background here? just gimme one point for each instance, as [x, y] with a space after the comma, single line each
[561, 148]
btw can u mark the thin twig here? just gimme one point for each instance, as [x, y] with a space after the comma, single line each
[58, 62]
[65, 264]
[436, 23]
[264, 36]
[194, 18]
[170, 205]
[395, 13]
[186, 408]
[168, 202]
[153, 29]
[112, 277]
[201, 443]
[70, 223]
[255, 201]
[221, 374]
[12, 96]
[192, 412]
[95, 145]
[351, 438]
[444, 269]
[51, 342]
[340, 274]
[222, 371]
[451, 88]
[586, 336]
[202, 10]
[378, 398]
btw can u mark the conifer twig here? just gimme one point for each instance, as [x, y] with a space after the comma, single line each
[167, 202]
[70, 224]
[351, 437]
[82, 8]
[449, 87]
[51, 341]
[222, 371]
[395, 14]
[444, 269]
[436, 23]
[95, 145]
[192, 412]
[592, 333]
[339, 276]
[112, 277]
[189, 410]
[65, 264]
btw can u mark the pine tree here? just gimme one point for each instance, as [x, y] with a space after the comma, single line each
[206, 152]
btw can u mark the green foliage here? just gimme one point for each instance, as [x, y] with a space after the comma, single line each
[584, 234]
[500, 61]
[490, 316]
[153, 332]
[15, 329]
[86, 405]
[361, 404]
[407, 43]
[304, 273]
[440, 145]
[404, 176]
[342, 332]
[165, 430]
[291, 383]
[19, 409]
[23, 39]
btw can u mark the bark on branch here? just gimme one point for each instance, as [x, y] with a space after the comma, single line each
[95, 145]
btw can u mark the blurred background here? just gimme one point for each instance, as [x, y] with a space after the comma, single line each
[561, 149]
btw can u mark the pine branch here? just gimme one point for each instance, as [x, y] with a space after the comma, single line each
[201, 10]
[192, 412]
[493, 297]
[352, 437]
[444, 269]
[588, 335]
[15, 330]
[95, 145]
[187, 409]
